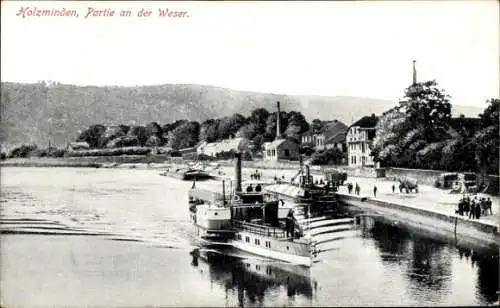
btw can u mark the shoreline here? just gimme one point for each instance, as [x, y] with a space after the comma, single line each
[432, 208]
[451, 226]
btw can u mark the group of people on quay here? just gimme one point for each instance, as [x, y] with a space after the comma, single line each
[474, 207]
[357, 188]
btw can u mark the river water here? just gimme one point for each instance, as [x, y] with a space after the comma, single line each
[121, 237]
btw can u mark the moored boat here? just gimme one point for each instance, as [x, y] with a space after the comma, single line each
[302, 190]
[187, 174]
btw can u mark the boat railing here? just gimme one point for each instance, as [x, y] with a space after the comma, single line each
[259, 229]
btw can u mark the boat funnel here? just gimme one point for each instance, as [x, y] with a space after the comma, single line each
[237, 172]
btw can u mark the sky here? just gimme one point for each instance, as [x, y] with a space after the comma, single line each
[345, 48]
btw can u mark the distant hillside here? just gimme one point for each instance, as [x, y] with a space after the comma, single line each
[35, 112]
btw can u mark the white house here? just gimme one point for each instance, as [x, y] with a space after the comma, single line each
[359, 139]
[280, 149]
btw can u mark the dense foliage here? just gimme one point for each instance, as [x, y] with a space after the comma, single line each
[110, 152]
[32, 150]
[420, 133]
[328, 157]
[259, 127]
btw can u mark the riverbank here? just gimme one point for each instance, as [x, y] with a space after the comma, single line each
[431, 206]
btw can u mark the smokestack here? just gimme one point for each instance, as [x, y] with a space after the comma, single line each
[278, 134]
[237, 172]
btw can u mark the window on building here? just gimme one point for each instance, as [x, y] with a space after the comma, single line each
[239, 236]
[287, 152]
[247, 239]
[362, 147]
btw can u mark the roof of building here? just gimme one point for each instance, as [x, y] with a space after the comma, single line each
[366, 122]
[79, 145]
[225, 145]
[334, 132]
[274, 144]
[309, 132]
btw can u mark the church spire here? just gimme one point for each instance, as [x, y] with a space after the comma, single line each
[414, 73]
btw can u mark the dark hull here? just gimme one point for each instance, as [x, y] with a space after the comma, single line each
[187, 176]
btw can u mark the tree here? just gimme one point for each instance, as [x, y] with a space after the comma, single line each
[153, 129]
[92, 135]
[249, 131]
[259, 118]
[184, 136]
[270, 132]
[427, 105]
[328, 157]
[486, 140]
[112, 132]
[140, 133]
[317, 125]
[229, 126]
[23, 151]
[297, 125]
[208, 130]
[412, 133]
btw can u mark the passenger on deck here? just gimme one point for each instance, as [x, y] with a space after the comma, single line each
[250, 188]
[258, 188]
[393, 188]
[321, 182]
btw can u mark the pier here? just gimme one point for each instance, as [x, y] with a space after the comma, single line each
[451, 225]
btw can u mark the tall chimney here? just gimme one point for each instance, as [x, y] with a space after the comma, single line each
[278, 134]
[237, 172]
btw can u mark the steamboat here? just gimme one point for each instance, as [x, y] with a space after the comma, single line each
[302, 188]
[249, 220]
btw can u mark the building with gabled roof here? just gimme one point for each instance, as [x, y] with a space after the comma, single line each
[359, 139]
[280, 148]
[332, 135]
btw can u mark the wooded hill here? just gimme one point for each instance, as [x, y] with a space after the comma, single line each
[37, 113]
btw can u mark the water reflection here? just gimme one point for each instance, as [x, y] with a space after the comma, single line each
[253, 279]
[486, 262]
[427, 262]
